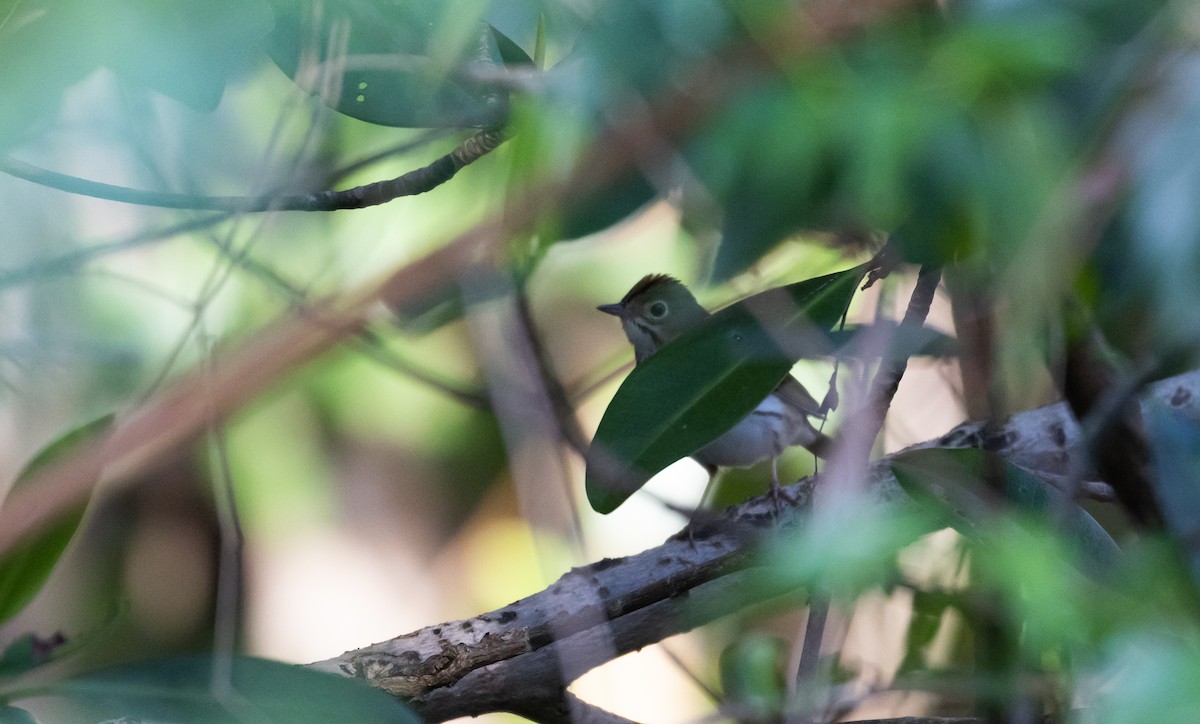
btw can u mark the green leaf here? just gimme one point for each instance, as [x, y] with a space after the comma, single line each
[25, 567]
[27, 652]
[402, 63]
[185, 49]
[928, 614]
[752, 675]
[860, 341]
[603, 208]
[699, 386]
[510, 52]
[14, 715]
[956, 481]
[182, 690]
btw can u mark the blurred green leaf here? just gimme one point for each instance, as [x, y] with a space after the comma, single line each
[183, 690]
[1175, 444]
[510, 52]
[752, 675]
[15, 715]
[603, 208]
[850, 549]
[1152, 679]
[28, 563]
[929, 611]
[960, 483]
[188, 49]
[697, 387]
[27, 652]
[893, 340]
[397, 64]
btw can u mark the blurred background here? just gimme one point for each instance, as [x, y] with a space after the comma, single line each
[415, 476]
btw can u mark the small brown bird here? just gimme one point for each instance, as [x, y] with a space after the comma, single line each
[658, 309]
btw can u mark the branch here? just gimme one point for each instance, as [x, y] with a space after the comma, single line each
[417, 181]
[523, 656]
[177, 416]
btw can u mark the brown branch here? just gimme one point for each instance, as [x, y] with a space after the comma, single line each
[859, 433]
[1091, 385]
[417, 181]
[532, 649]
[178, 415]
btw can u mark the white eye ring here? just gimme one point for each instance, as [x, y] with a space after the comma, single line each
[657, 310]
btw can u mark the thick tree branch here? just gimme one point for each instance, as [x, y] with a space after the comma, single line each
[525, 654]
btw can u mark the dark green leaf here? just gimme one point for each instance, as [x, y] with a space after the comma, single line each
[182, 690]
[699, 386]
[603, 208]
[752, 675]
[186, 49]
[1175, 443]
[960, 483]
[392, 71]
[928, 612]
[30, 651]
[27, 652]
[27, 564]
[14, 715]
[899, 341]
[510, 52]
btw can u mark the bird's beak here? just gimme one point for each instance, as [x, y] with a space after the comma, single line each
[613, 309]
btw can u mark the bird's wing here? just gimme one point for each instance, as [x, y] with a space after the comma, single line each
[793, 393]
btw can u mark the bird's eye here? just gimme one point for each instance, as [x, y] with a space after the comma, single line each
[657, 310]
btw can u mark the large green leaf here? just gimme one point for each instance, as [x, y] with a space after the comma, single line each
[699, 386]
[184, 690]
[957, 481]
[27, 565]
[187, 49]
[402, 64]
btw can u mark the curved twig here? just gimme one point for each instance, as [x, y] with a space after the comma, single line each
[414, 182]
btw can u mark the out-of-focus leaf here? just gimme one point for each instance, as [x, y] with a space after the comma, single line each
[28, 563]
[848, 550]
[752, 675]
[957, 482]
[1158, 255]
[603, 208]
[1175, 443]
[700, 385]
[15, 715]
[895, 341]
[928, 613]
[510, 52]
[1152, 675]
[27, 652]
[395, 64]
[182, 690]
[188, 49]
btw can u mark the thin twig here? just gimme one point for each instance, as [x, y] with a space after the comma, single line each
[417, 181]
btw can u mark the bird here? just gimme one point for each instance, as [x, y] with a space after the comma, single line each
[657, 310]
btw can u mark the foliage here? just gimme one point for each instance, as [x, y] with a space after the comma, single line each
[1043, 154]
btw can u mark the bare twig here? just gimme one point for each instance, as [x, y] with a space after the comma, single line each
[417, 181]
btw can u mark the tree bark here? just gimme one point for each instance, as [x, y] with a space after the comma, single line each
[520, 658]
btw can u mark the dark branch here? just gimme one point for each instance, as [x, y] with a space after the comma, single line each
[412, 183]
[534, 648]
